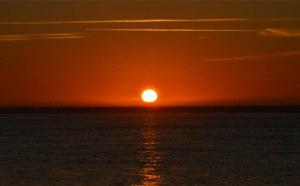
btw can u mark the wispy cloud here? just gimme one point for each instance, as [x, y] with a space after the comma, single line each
[13, 37]
[146, 21]
[59, 36]
[241, 58]
[205, 37]
[275, 32]
[41, 36]
[170, 30]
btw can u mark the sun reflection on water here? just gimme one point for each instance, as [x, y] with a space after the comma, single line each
[149, 157]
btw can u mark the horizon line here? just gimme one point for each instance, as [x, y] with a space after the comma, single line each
[140, 109]
[147, 21]
[28, 106]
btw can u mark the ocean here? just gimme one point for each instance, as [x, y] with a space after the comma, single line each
[150, 149]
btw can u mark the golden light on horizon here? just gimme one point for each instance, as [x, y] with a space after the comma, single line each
[149, 96]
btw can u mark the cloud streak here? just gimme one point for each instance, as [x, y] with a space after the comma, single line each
[58, 36]
[274, 32]
[169, 30]
[41, 36]
[146, 21]
[13, 37]
[241, 58]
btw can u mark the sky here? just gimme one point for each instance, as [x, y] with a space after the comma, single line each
[192, 53]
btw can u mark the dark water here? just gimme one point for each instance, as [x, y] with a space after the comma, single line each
[149, 149]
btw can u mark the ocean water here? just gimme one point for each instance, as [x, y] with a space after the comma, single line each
[150, 149]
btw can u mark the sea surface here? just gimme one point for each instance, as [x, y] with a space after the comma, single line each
[150, 149]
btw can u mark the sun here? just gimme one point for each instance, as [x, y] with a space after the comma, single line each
[149, 96]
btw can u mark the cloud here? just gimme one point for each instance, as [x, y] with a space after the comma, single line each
[274, 32]
[146, 21]
[205, 37]
[58, 36]
[13, 37]
[169, 30]
[241, 58]
[41, 36]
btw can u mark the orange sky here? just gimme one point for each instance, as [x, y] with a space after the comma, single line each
[105, 53]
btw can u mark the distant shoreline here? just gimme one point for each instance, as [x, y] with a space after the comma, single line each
[175, 109]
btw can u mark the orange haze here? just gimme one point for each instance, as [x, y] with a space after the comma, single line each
[190, 53]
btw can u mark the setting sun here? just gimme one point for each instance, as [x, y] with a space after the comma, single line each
[149, 95]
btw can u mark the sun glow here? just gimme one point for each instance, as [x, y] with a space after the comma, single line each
[149, 96]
